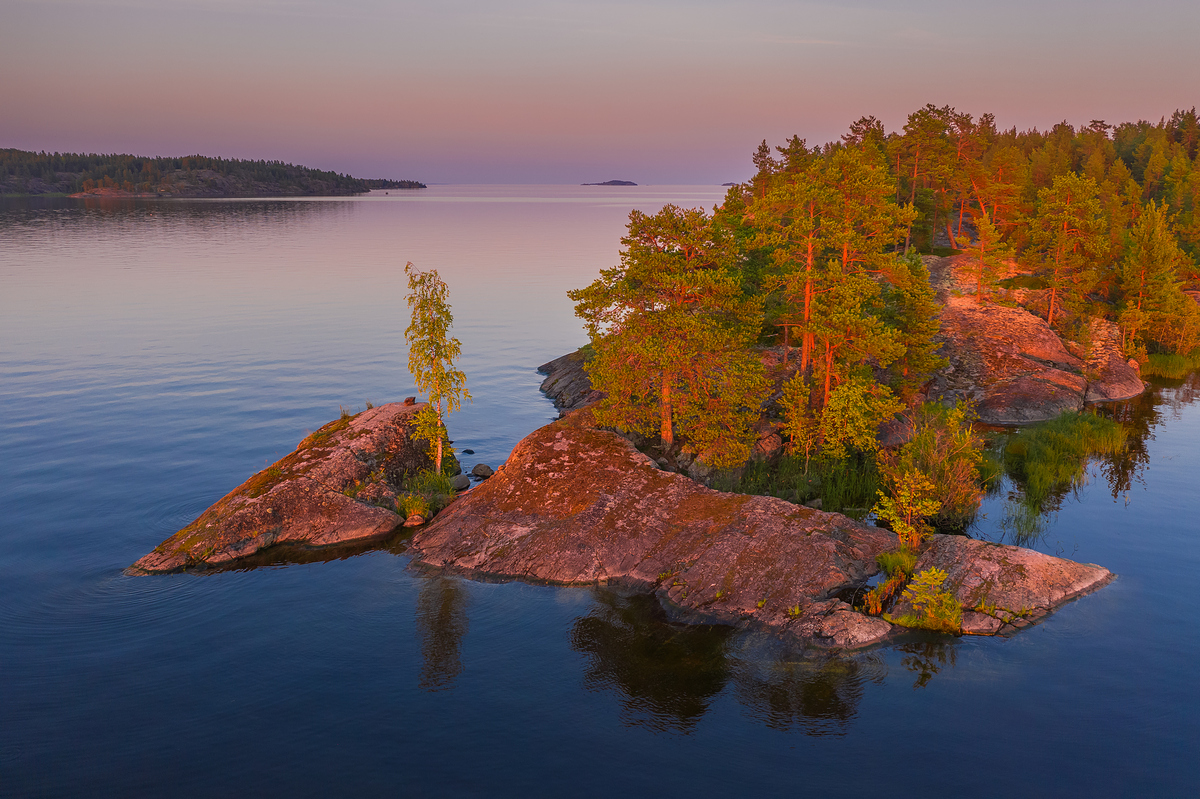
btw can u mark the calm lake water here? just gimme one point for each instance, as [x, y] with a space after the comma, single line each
[155, 354]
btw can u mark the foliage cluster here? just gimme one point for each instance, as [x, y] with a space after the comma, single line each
[410, 504]
[425, 493]
[817, 254]
[942, 465]
[935, 608]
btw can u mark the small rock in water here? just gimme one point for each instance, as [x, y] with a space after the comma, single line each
[416, 520]
[468, 452]
[482, 471]
[460, 482]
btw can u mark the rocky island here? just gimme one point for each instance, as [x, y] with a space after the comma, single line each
[796, 324]
[575, 504]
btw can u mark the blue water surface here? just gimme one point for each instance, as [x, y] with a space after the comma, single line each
[153, 354]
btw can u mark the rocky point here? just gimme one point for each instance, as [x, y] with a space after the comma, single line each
[339, 485]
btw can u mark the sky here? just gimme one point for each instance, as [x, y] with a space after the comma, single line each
[544, 91]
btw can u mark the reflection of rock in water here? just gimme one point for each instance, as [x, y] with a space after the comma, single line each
[442, 622]
[665, 673]
[815, 691]
[928, 658]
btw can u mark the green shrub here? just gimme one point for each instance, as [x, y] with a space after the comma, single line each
[935, 608]
[912, 501]
[413, 505]
[948, 452]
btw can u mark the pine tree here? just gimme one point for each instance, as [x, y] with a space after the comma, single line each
[988, 252]
[1069, 238]
[672, 332]
[1156, 309]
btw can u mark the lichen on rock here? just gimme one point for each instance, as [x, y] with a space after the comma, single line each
[339, 485]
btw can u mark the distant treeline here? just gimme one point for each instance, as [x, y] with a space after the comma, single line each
[24, 172]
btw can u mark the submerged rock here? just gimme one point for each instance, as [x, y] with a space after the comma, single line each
[338, 485]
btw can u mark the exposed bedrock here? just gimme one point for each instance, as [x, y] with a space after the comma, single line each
[339, 485]
[1012, 363]
[566, 383]
[579, 505]
[1003, 588]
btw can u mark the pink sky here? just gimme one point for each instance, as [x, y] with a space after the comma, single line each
[656, 91]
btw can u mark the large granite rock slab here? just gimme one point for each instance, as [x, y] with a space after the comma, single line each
[1019, 371]
[1002, 588]
[339, 485]
[579, 505]
[1011, 363]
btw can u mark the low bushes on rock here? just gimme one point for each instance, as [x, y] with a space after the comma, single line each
[935, 608]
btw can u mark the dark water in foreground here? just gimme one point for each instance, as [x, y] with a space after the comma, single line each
[153, 355]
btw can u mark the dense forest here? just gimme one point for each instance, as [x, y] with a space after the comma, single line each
[27, 173]
[821, 252]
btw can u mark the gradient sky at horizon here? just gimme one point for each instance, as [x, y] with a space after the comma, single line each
[541, 91]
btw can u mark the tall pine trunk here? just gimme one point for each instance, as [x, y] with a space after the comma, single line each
[807, 343]
[666, 432]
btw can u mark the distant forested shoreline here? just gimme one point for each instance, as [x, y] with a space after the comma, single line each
[39, 173]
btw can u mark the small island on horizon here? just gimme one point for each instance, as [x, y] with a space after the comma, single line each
[26, 173]
[611, 183]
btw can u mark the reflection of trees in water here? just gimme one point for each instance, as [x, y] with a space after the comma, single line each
[666, 674]
[927, 658]
[442, 623]
[1026, 520]
[1139, 416]
[817, 692]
